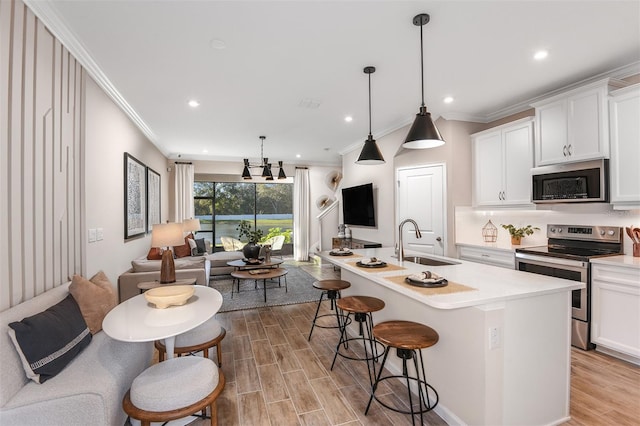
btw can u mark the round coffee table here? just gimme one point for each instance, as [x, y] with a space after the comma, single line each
[260, 274]
[240, 265]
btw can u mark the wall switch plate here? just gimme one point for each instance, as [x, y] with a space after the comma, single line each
[99, 234]
[494, 337]
[92, 235]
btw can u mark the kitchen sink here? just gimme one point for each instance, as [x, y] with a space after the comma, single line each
[421, 260]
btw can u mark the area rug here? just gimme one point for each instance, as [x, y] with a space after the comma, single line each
[299, 283]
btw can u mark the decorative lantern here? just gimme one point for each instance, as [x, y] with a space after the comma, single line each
[489, 233]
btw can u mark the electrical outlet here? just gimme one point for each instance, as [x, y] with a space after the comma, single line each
[494, 337]
[92, 235]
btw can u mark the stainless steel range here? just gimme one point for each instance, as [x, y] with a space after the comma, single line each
[567, 254]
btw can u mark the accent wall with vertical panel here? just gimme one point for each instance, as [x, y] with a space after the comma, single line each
[41, 158]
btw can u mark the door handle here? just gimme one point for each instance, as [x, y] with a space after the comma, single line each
[438, 239]
[569, 150]
[564, 150]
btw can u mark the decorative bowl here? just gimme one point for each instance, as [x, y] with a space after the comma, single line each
[165, 296]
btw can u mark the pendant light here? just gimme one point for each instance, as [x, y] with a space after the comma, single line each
[423, 132]
[370, 154]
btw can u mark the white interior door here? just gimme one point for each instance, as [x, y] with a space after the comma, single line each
[420, 195]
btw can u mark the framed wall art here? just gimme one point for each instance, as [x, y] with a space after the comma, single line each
[135, 197]
[153, 198]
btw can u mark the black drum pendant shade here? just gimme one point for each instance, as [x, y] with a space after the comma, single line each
[370, 154]
[423, 132]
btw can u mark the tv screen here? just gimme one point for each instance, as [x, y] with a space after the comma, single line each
[357, 205]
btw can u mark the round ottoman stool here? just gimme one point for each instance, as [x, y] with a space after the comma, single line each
[207, 335]
[173, 389]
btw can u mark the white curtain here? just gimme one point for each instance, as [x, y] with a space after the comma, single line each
[301, 215]
[184, 192]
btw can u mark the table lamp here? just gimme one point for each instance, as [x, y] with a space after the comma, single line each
[191, 225]
[167, 235]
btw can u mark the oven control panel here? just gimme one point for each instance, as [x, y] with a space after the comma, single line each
[585, 232]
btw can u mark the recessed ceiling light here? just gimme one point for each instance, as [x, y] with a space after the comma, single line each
[348, 119]
[540, 55]
[298, 155]
[448, 99]
[193, 103]
[217, 44]
[204, 151]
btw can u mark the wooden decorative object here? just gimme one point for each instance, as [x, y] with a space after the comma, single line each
[165, 296]
[167, 268]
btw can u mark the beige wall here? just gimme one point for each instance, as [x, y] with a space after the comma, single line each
[41, 193]
[63, 142]
[455, 154]
[108, 134]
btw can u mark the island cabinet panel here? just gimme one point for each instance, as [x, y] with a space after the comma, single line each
[615, 303]
[521, 379]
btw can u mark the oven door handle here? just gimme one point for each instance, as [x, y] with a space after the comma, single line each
[553, 260]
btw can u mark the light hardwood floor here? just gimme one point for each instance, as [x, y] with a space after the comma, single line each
[275, 377]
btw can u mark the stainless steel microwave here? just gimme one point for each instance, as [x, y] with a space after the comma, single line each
[582, 182]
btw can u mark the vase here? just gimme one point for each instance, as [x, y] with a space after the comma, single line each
[251, 250]
[516, 241]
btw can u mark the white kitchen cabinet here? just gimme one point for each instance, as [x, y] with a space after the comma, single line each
[615, 309]
[624, 122]
[574, 126]
[502, 161]
[488, 256]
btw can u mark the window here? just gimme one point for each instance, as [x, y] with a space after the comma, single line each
[221, 206]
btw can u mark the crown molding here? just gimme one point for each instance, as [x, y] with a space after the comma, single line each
[618, 73]
[45, 12]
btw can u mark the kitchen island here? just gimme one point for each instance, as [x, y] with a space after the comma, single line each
[504, 354]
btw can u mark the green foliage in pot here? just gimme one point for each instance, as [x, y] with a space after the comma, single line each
[245, 230]
[520, 232]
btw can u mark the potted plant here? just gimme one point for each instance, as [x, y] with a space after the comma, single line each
[517, 234]
[252, 249]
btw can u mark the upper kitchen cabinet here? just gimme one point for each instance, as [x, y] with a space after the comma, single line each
[502, 162]
[624, 111]
[573, 126]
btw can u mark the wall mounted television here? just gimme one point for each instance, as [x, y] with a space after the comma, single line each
[357, 205]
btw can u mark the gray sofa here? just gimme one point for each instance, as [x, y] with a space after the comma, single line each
[88, 391]
[143, 270]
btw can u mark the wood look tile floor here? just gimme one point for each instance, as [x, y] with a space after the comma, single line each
[276, 377]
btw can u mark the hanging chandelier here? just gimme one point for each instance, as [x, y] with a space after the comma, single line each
[264, 165]
[423, 132]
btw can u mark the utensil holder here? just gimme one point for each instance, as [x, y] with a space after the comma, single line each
[636, 249]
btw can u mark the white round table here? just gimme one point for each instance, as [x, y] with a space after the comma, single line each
[136, 320]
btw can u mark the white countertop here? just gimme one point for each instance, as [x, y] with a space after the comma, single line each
[625, 260]
[494, 284]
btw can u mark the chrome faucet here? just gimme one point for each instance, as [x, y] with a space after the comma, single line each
[400, 244]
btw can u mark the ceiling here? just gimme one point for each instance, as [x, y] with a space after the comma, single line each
[292, 70]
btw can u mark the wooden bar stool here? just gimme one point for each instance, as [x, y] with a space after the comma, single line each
[173, 389]
[207, 335]
[361, 307]
[330, 288]
[407, 337]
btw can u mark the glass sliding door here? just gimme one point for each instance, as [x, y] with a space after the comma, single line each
[234, 202]
[221, 206]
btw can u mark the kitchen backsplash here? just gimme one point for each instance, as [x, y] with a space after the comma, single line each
[469, 222]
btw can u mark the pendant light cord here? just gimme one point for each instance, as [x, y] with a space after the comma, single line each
[370, 105]
[422, 64]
